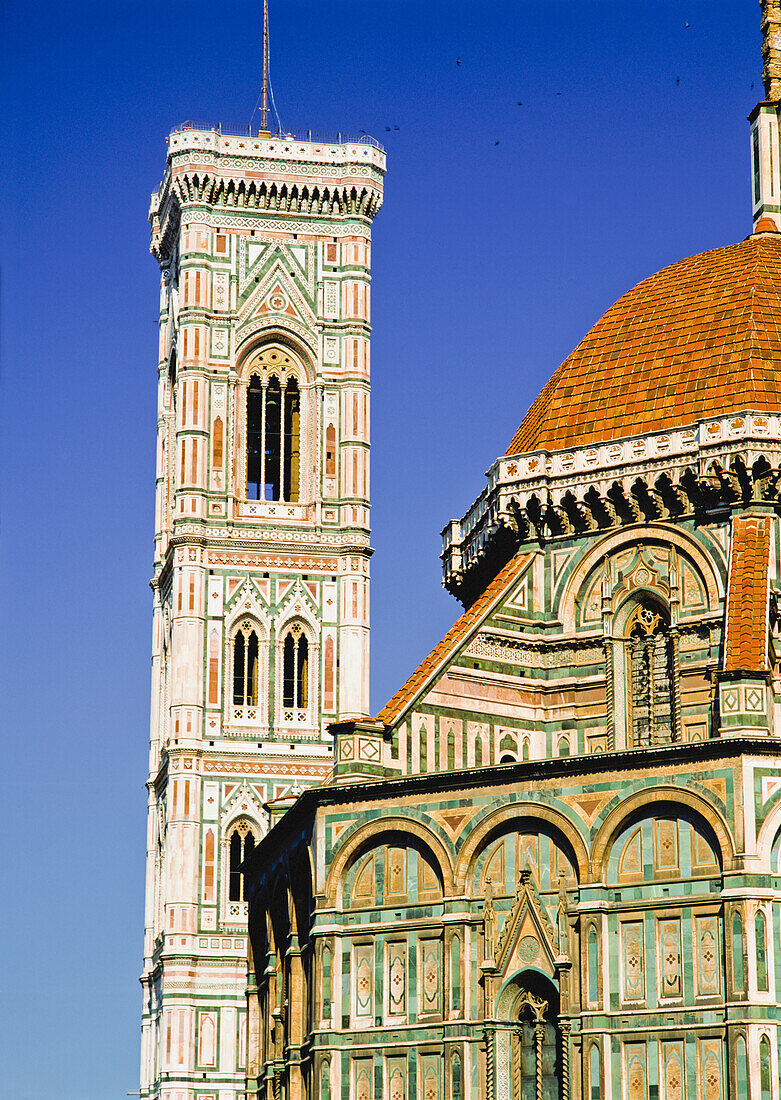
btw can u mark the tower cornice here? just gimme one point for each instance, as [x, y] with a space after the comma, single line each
[208, 172]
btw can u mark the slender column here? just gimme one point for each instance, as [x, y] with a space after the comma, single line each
[539, 1039]
[235, 468]
[677, 729]
[650, 648]
[283, 403]
[262, 486]
[565, 1028]
[610, 699]
[490, 1057]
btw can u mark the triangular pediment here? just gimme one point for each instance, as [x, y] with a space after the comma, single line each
[296, 600]
[275, 293]
[248, 597]
[528, 938]
[259, 264]
[244, 801]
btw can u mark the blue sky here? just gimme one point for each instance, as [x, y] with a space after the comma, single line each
[506, 231]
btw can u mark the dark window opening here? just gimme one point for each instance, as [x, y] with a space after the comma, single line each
[273, 439]
[241, 848]
[651, 667]
[245, 669]
[295, 671]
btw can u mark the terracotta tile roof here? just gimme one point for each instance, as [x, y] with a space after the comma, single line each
[455, 637]
[745, 648]
[698, 339]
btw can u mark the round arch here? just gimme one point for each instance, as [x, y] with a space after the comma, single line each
[636, 804]
[372, 834]
[531, 978]
[266, 335]
[494, 822]
[768, 832]
[628, 536]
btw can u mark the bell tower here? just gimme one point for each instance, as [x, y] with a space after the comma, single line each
[261, 576]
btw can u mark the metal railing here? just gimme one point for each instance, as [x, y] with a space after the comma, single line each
[323, 137]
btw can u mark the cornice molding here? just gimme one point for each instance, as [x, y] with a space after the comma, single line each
[703, 471]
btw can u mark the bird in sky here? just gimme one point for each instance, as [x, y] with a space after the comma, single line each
[688, 25]
[519, 103]
[496, 143]
[677, 80]
[458, 61]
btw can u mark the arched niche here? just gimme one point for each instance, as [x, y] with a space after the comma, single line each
[394, 872]
[585, 574]
[530, 1051]
[522, 845]
[391, 830]
[663, 802]
[515, 817]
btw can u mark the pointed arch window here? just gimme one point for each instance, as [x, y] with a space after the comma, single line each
[651, 670]
[245, 666]
[760, 937]
[295, 669]
[241, 845]
[273, 438]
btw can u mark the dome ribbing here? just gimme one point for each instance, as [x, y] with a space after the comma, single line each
[701, 338]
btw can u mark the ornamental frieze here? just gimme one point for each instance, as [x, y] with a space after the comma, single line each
[258, 561]
[491, 647]
[259, 768]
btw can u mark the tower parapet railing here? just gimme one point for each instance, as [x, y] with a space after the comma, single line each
[322, 137]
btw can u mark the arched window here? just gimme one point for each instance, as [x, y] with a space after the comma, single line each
[765, 1069]
[650, 674]
[273, 438]
[595, 1073]
[538, 1052]
[593, 966]
[245, 666]
[172, 371]
[455, 1078]
[741, 1065]
[295, 669]
[738, 973]
[760, 936]
[241, 844]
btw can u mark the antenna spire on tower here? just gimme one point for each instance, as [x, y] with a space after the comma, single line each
[264, 89]
[771, 48]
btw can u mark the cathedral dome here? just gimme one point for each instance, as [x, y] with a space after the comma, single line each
[701, 338]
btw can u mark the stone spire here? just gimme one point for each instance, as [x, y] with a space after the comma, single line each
[771, 48]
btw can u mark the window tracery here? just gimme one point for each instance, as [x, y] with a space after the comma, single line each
[538, 1062]
[296, 659]
[245, 666]
[651, 671]
[295, 672]
[273, 429]
[238, 844]
[246, 652]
